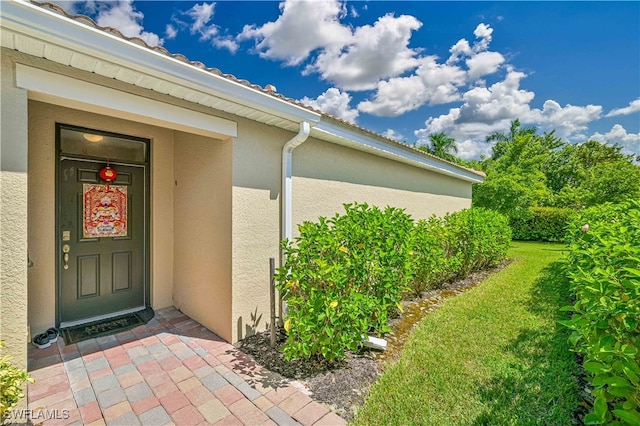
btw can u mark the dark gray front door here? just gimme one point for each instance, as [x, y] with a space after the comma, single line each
[99, 276]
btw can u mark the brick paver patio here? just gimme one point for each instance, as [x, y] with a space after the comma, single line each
[170, 371]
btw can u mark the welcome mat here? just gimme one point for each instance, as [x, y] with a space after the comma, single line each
[106, 327]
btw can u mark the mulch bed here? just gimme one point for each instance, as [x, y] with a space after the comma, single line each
[344, 385]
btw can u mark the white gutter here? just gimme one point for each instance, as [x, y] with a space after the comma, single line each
[287, 171]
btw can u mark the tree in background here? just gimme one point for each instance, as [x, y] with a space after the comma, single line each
[531, 170]
[441, 146]
[590, 174]
[503, 139]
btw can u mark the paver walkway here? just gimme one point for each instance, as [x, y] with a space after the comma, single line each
[169, 371]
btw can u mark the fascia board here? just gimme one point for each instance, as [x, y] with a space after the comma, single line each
[328, 131]
[51, 27]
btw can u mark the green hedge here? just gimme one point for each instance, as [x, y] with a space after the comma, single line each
[453, 246]
[603, 266]
[541, 224]
[345, 275]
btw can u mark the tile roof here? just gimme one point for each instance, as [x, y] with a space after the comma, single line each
[268, 89]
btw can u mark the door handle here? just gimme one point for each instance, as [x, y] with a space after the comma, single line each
[65, 257]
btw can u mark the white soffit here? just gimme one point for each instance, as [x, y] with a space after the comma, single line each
[61, 90]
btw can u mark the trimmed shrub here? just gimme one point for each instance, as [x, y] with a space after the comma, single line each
[452, 247]
[479, 237]
[603, 266]
[541, 224]
[343, 277]
[432, 255]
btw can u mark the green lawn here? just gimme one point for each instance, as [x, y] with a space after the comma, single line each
[491, 356]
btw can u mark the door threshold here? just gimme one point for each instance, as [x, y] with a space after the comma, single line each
[66, 324]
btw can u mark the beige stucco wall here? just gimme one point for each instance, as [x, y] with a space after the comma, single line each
[327, 175]
[202, 230]
[256, 222]
[41, 196]
[13, 217]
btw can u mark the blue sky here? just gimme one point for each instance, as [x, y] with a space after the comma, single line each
[407, 69]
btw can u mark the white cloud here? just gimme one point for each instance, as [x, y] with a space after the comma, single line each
[374, 52]
[484, 33]
[630, 142]
[472, 150]
[390, 133]
[199, 21]
[226, 42]
[201, 14]
[484, 63]
[437, 83]
[302, 27]
[489, 109]
[350, 58]
[458, 50]
[123, 16]
[334, 102]
[432, 83]
[634, 106]
[568, 121]
[170, 32]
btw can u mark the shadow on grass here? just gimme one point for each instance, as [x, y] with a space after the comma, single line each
[539, 388]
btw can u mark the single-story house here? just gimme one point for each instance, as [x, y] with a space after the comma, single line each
[133, 178]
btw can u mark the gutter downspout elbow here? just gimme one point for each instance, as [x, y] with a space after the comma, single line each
[287, 171]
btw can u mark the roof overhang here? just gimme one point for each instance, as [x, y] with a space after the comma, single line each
[43, 33]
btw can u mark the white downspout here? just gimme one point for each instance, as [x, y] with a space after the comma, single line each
[287, 170]
[287, 192]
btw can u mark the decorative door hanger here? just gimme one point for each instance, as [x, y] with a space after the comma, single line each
[104, 210]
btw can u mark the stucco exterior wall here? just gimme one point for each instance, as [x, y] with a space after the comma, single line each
[41, 196]
[13, 217]
[202, 230]
[325, 176]
[256, 222]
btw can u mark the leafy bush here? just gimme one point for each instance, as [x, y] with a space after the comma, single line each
[433, 258]
[457, 244]
[343, 277]
[478, 237]
[604, 268]
[541, 224]
[11, 380]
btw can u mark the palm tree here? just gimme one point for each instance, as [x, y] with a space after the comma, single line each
[503, 139]
[514, 130]
[441, 146]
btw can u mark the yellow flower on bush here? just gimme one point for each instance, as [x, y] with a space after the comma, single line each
[287, 325]
[291, 284]
[333, 304]
[344, 249]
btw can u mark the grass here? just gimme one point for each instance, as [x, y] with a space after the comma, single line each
[494, 355]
